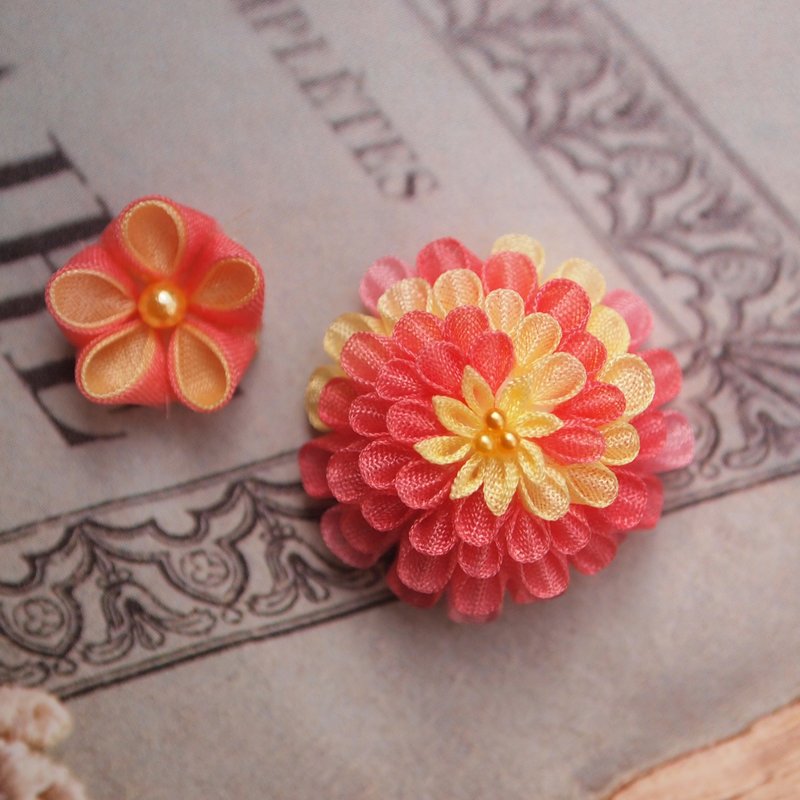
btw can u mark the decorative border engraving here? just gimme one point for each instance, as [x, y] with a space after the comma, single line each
[141, 583]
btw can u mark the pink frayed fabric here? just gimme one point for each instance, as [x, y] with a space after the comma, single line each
[489, 429]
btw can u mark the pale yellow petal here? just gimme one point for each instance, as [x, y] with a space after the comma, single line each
[505, 309]
[622, 443]
[231, 283]
[457, 287]
[552, 380]
[444, 449]
[547, 498]
[456, 417]
[155, 235]
[316, 383]
[477, 393]
[514, 399]
[500, 481]
[469, 478]
[535, 424]
[342, 328]
[88, 299]
[115, 363]
[409, 294]
[610, 328]
[591, 484]
[531, 460]
[631, 375]
[586, 275]
[519, 243]
[537, 336]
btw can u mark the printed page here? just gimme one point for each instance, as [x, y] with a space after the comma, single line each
[150, 558]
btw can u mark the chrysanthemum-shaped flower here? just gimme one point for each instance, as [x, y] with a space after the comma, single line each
[490, 427]
[165, 307]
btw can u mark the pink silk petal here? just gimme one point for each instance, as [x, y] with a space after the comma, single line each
[634, 311]
[364, 356]
[415, 330]
[385, 512]
[547, 577]
[474, 599]
[444, 255]
[588, 349]
[441, 365]
[474, 522]
[480, 562]
[361, 536]
[598, 553]
[667, 374]
[407, 595]
[492, 354]
[410, 421]
[335, 402]
[426, 574]
[510, 270]
[652, 429]
[463, 326]
[566, 301]
[382, 275]
[314, 460]
[627, 509]
[423, 485]
[655, 502]
[678, 449]
[331, 529]
[399, 379]
[575, 443]
[571, 533]
[597, 403]
[367, 415]
[344, 477]
[433, 534]
[381, 460]
[527, 536]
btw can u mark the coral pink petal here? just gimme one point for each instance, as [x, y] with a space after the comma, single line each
[547, 577]
[385, 512]
[410, 421]
[416, 329]
[516, 586]
[509, 270]
[492, 354]
[678, 449]
[381, 460]
[413, 598]
[574, 443]
[382, 275]
[426, 574]
[335, 402]
[527, 537]
[360, 535]
[364, 355]
[655, 502]
[400, 379]
[367, 415]
[442, 256]
[634, 311]
[588, 349]
[652, 429]
[597, 555]
[596, 402]
[330, 527]
[344, 477]
[475, 599]
[627, 509]
[480, 562]
[442, 364]
[463, 325]
[474, 522]
[667, 374]
[423, 485]
[433, 534]
[571, 533]
[313, 461]
[564, 300]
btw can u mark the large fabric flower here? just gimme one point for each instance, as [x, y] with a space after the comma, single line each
[165, 307]
[492, 428]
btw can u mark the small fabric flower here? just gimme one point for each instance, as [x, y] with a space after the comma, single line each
[490, 428]
[165, 307]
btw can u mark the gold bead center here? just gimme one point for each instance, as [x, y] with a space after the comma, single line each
[495, 438]
[162, 305]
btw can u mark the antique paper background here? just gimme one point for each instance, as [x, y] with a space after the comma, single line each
[134, 542]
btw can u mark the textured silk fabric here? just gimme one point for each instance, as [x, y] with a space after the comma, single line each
[492, 427]
[165, 307]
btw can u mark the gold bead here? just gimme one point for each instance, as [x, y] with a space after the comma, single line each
[484, 443]
[162, 305]
[495, 420]
[509, 441]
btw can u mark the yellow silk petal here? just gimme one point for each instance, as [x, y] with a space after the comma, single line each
[85, 299]
[586, 275]
[622, 443]
[519, 243]
[469, 478]
[548, 497]
[610, 328]
[409, 294]
[456, 417]
[505, 310]
[316, 383]
[477, 393]
[631, 375]
[444, 449]
[531, 460]
[154, 233]
[535, 424]
[115, 363]
[551, 380]
[457, 287]
[537, 336]
[500, 481]
[345, 326]
[591, 484]
[201, 370]
[229, 284]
